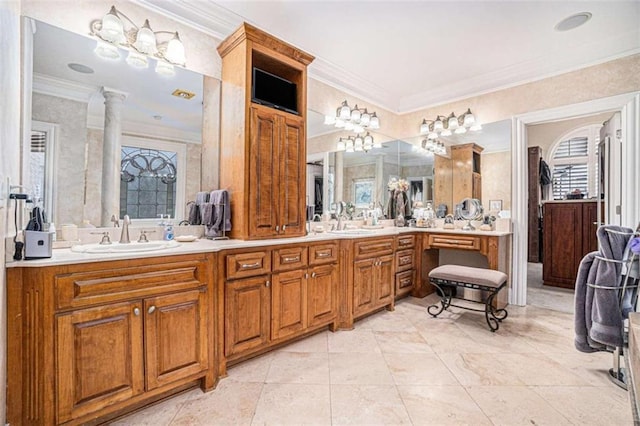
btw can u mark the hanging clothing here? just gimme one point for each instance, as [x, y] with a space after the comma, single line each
[545, 173]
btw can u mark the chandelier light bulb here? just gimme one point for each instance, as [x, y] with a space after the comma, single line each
[438, 126]
[165, 69]
[341, 145]
[374, 122]
[349, 146]
[469, 118]
[145, 40]
[344, 111]
[424, 127]
[355, 114]
[112, 27]
[107, 51]
[137, 60]
[175, 51]
[365, 118]
[452, 122]
[368, 139]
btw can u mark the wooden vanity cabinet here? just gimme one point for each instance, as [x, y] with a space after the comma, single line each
[405, 259]
[96, 340]
[296, 294]
[263, 148]
[373, 275]
[467, 178]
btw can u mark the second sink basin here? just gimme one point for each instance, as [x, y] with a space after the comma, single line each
[132, 247]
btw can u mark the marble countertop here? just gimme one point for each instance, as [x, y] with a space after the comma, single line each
[65, 256]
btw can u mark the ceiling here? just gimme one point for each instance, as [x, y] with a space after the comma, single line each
[408, 55]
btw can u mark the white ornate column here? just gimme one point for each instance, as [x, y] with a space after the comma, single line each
[381, 185]
[110, 205]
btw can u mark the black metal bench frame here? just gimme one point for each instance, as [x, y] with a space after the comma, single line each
[447, 289]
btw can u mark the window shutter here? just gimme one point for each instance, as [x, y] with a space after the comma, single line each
[38, 141]
[567, 177]
[571, 148]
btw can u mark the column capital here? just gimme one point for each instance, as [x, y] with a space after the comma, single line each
[113, 94]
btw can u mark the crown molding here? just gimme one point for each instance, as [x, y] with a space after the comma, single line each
[204, 15]
[60, 88]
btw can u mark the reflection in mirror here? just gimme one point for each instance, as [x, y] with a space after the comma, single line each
[70, 83]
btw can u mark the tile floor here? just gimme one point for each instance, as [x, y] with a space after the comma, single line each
[405, 367]
[556, 298]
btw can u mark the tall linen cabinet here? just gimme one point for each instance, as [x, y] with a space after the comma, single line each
[263, 149]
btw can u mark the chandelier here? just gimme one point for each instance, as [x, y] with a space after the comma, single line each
[142, 43]
[446, 126]
[358, 143]
[355, 119]
[432, 146]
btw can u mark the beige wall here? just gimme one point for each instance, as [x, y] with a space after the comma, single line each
[546, 134]
[496, 178]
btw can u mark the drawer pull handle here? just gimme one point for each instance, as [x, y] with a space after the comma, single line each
[284, 228]
[324, 254]
[136, 311]
[405, 282]
[277, 228]
[250, 265]
[313, 275]
[292, 259]
[267, 284]
[152, 309]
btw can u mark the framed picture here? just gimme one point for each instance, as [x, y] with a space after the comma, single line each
[363, 192]
[495, 205]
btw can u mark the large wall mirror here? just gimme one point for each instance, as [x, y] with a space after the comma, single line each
[161, 131]
[361, 178]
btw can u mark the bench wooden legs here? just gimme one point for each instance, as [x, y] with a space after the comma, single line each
[446, 290]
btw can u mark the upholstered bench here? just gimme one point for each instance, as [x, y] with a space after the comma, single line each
[447, 278]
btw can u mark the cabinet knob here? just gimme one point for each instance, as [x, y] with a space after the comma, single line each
[268, 283]
[277, 228]
[306, 276]
[136, 311]
[284, 227]
[313, 275]
[152, 309]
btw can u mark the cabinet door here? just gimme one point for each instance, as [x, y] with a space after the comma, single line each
[263, 179]
[385, 280]
[562, 243]
[176, 336]
[292, 178]
[589, 227]
[247, 314]
[288, 303]
[322, 292]
[364, 275]
[100, 358]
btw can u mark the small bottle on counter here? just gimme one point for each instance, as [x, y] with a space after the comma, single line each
[167, 235]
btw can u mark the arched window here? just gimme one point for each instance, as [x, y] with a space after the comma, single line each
[574, 162]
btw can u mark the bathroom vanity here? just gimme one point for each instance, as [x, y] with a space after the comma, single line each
[92, 336]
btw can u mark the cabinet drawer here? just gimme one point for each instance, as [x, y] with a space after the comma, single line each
[404, 260]
[243, 265]
[286, 259]
[109, 285]
[404, 282]
[373, 247]
[323, 253]
[454, 241]
[406, 241]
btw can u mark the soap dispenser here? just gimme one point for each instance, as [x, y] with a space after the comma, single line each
[167, 235]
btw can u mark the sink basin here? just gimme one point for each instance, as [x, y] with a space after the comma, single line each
[133, 247]
[358, 231]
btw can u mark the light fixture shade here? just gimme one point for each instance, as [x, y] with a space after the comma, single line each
[349, 145]
[355, 114]
[365, 118]
[344, 112]
[438, 126]
[112, 29]
[341, 145]
[424, 127]
[446, 132]
[107, 51]
[146, 40]
[368, 139]
[460, 130]
[137, 60]
[469, 118]
[452, 122]
[175, 51]
[374, 122]
[165, 69]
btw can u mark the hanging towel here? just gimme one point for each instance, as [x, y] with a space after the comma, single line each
[598, 315]
[195, 207]
[220, 217]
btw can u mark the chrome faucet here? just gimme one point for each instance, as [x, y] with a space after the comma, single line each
[124, 236]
